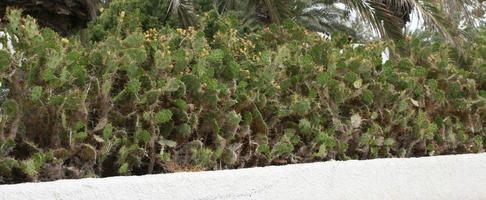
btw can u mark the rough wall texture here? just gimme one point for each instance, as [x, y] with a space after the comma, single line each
[440, 177]
[63, 16]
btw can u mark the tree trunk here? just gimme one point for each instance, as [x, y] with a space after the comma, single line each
[84, 36]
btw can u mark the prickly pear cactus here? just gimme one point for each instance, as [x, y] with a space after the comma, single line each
[160, 100]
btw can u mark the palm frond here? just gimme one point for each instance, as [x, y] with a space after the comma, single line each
[387, 17]
[183, 9]
[326, 18]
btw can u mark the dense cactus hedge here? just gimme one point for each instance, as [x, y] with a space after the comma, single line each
[167, 100]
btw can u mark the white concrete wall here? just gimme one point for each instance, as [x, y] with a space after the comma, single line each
[442, 177]
[9, 42]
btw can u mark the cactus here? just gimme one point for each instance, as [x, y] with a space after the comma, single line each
[213, 98]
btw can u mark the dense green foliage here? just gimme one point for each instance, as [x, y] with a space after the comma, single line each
[385, 18]
[213, 98]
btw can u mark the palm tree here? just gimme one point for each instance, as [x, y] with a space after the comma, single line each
[390, 16]
[181, 9]
[386, 17]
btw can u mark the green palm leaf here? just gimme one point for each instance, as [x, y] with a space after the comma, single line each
[183, 9]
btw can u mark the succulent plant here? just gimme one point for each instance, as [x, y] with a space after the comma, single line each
[136, 103]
